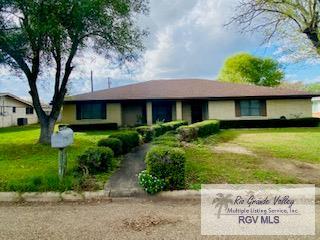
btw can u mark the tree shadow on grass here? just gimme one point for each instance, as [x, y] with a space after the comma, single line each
[31, 127]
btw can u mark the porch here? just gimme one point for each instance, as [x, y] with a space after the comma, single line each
[151, 112]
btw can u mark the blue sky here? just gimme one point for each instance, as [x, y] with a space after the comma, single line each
[187, 39]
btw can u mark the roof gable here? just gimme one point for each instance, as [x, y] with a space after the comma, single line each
[16, 98]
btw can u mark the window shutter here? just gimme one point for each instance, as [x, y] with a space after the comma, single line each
[237, 108]
[103, 111]
[78, 110]
[263, 108]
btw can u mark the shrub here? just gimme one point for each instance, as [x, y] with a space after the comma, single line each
[147, 133]
[129, 139]
[169, 126]
[207, 127]
[95, 160]
[149, 183]
[200, 129]
[114, 143]
[270, 123]
[168, 164]
[168, 139]
[162, 128]
[156, 130]
[187, 133]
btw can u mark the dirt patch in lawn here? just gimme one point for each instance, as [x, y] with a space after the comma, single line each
[232, 148]
[305, 172]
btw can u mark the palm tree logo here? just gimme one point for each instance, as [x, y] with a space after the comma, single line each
[222, 201]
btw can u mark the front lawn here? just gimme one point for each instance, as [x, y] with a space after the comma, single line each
[301, 144]
[203, 166]
[27, 166]
[286, 147]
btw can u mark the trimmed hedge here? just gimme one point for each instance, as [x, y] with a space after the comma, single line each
[168, 164]
[187, 133]
[168, 139]
[95, 160]
[147, 133]
[207, 127]
[200, 129]
[129, 139]
[270, 123]
[114, 143]
[156, 130]
[92, 127]
[169, 126]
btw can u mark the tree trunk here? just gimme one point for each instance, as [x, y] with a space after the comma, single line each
[47, 127]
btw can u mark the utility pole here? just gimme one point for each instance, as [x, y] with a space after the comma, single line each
[91, 81]
[109, 82]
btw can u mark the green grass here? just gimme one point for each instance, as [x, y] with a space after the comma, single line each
[28, 166]
[203, 166]
[168, 139]
[301, 144]
[206, 166]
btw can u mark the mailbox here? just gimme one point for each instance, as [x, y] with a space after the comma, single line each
[62, 138]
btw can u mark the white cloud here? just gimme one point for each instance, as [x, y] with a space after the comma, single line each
[187, 39]
[195, 42]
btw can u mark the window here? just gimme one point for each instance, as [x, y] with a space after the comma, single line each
[14, 109]
[91, 111]
[29, 110]
[315, 106]
[251, 108]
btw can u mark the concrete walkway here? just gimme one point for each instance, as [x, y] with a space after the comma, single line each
[124, 183]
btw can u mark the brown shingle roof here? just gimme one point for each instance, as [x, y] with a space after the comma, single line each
[187, 89]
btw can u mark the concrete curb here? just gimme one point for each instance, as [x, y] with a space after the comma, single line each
[9, 197]
[180, 195]
[71, 196]
[40, 197]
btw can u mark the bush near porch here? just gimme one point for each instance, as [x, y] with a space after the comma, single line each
[129, 139]
[156, 130]
[199, 129]
[114, 143]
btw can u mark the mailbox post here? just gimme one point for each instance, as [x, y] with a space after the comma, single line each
[60, 140]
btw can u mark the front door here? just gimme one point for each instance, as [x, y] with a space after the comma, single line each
[162, 111]
[196, 113]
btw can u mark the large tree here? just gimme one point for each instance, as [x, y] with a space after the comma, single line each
[297, 21]
[246, 68]
[37, 35]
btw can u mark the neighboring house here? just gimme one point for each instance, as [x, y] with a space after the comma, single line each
[13, 108]
[188, 99]
[316, 107]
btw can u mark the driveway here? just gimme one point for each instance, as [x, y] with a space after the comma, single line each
[124, 182]
[123, 219]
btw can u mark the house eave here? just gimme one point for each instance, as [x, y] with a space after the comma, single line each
[308, 96]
